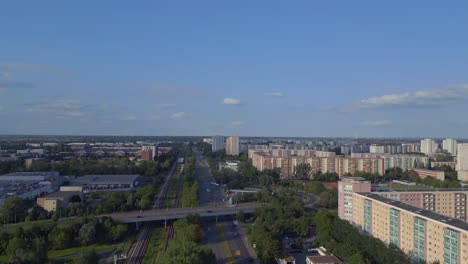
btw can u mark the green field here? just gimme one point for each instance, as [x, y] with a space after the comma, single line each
[70, 254]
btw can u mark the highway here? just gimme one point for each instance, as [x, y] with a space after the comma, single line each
[177, 213]
[234, 235]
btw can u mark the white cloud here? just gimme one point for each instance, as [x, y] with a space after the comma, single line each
[55, 106]
[179, 115]
[436, 97]
[231, 101]
[274, 94]
[69, 108]
[378, 122]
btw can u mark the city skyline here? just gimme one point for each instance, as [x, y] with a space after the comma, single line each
[313, 70]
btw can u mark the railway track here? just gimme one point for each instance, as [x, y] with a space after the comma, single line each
[138, 250]
[170, 229]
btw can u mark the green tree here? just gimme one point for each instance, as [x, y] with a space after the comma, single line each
[188, 252]
[39, 250]
[37, 213]
[303, 171]
[13, 210]
[240, 216]
[87, 234]
[17, 250]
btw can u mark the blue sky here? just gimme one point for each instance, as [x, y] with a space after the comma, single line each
[256, 68]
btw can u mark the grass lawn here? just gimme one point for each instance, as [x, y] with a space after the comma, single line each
[71, 252]
[224, 245]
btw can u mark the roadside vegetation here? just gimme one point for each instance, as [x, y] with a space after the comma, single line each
[37, 242]
[155, 247]
[185, 247]
[190, 186]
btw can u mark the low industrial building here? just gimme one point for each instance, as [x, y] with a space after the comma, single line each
[61, 199]
[323, 260]
[98, 183]
[28, 185]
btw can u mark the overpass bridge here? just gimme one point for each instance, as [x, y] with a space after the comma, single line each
[177, 213]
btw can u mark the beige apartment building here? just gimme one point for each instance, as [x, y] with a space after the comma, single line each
[320, 161]
[421, 233]
[447, 202]
[233, 146]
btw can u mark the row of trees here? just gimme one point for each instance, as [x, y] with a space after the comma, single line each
[184, 247]
[30, 244]
[343, 240]
[140, 199]
[190, 186]
[285, 216]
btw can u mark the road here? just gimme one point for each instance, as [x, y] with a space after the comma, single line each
[234, 235]
[138, 250]
[208, 192]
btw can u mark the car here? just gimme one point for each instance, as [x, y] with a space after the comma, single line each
[209, 211]
[139, 216]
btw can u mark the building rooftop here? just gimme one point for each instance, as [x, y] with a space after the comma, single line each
[325, 260]
[426, 190]
[349, 178]
[421, 212]
[32, 173]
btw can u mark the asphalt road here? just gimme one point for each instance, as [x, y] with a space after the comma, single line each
[211, 241]
[210, 194]
[235, 237]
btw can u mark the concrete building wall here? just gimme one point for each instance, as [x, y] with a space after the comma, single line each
[435, 229]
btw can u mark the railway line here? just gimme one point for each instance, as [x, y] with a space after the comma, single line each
[138, 250]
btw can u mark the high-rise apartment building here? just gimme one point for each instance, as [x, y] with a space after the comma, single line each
[462, 158]
[346, 187]
[233, 146]
[423, 234]
[217, 143]
[428, 146]
[149, 152]
[377, 149]
[450, 146]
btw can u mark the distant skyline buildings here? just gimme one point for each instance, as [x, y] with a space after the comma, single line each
[428, 146]
[462, 161]
[233, 146]
[217, 143]
[450, 146]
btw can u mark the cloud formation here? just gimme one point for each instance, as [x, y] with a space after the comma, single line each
[421, 98]
[378, 122]
[274, 94]
[179, 115]
[231, 101]
[70, 108]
